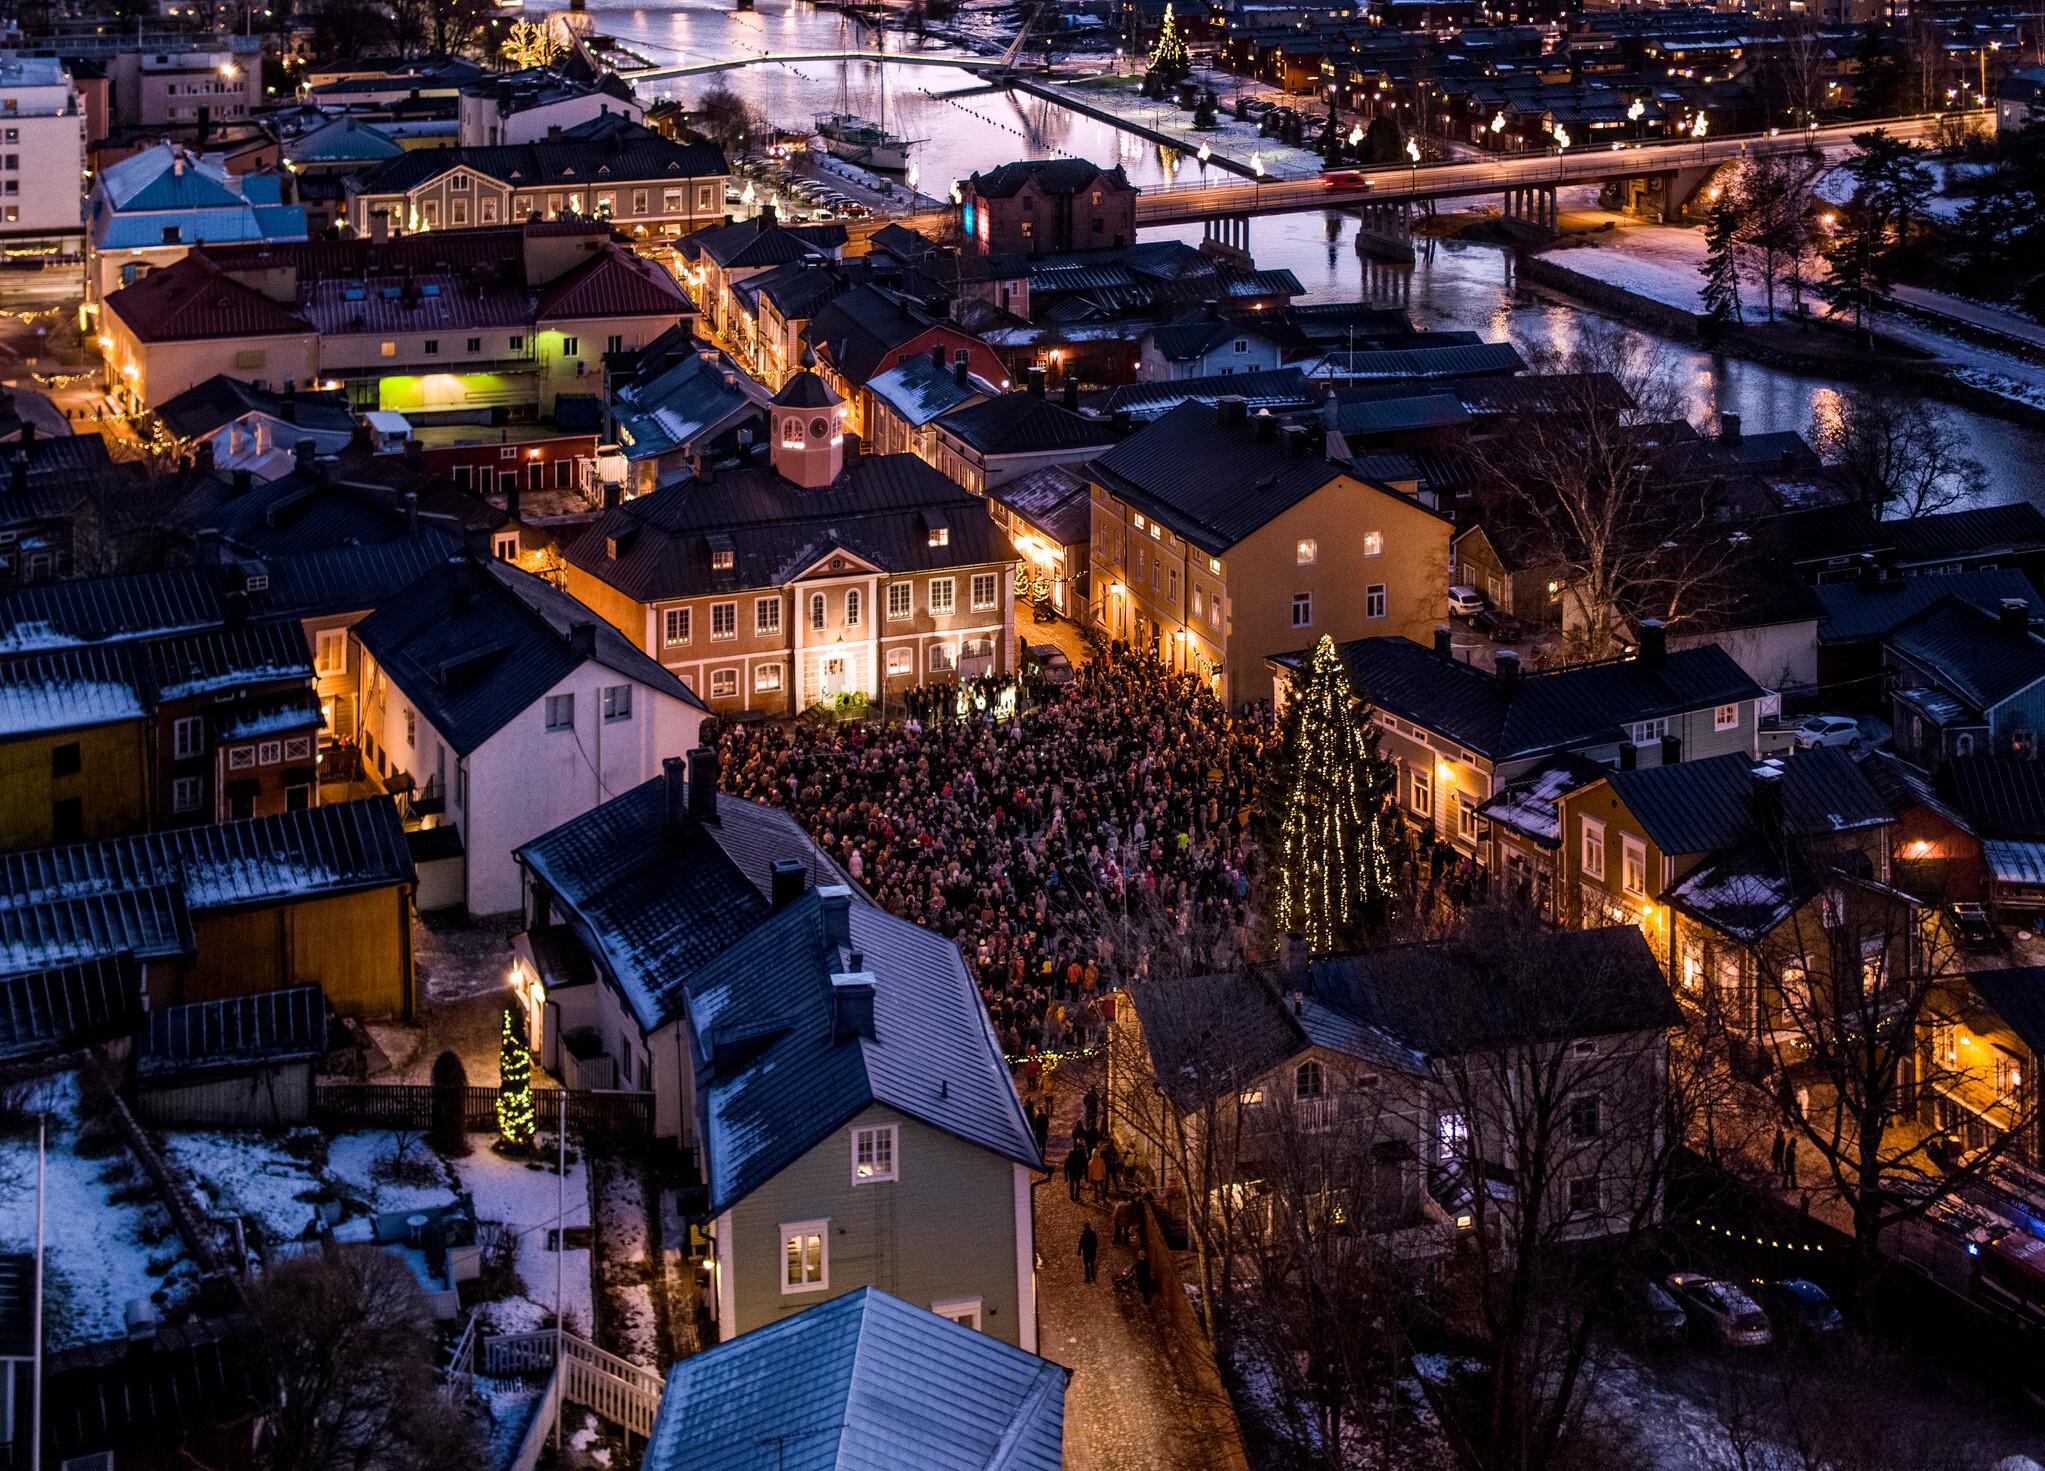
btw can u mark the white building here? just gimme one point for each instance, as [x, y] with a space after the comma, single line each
[530, 106]
[502, 708]
[42, 157]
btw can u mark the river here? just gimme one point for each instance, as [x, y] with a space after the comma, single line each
[1466, 287]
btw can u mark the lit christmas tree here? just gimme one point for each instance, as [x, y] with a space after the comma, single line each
[1169, 57]
[514, 1085]
[1333, 796]
[530, 43]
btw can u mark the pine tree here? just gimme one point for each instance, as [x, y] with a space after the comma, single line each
[1332, 794]
[514, 1085]
[1721, 267]
[1169, 57]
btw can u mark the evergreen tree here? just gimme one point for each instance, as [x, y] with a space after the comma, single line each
[514, 1085]
[1168, 56]
[1331, 140]
[1894, 177]
[1721, 266]
[1204, 111]
[1855, 274]
[1332, 796]
[1383, 143]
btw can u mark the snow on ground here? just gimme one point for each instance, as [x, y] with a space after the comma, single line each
[522, 1194]
[361, 1164]
[461, 959]
[626, 1263]
[1835, 186]
[1123, 96]
[249, 1174]
[101, 1253]
[1657, 262]
[511, 1404]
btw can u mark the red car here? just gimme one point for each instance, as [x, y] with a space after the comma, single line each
[1344, 179]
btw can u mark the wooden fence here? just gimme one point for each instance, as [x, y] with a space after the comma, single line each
[614, 1114]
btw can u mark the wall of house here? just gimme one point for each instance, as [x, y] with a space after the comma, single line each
[485, 125]
[945, 1230]
[356, 947]
[663, 206]
[44, 130]
[1245, 353]
[1777, 656]
[163, 370]
[111, 784]
[571, 349]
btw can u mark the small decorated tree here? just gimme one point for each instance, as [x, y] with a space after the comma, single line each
[1332, 794]
[514, 1085]
[1169, 58]
[530, 43]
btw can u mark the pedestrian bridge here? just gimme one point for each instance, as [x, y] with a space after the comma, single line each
[733, 63]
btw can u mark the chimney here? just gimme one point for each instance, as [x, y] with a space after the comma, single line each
[1767, 791]
[1629, 755]
[202, 453]
[789, 879]
[2016, 616]
[140, 1317]
[1672, 749]
[379, 227]
[837, 914]
[1072, 393]
[1507, 663]
[1292, 961]
[851, 1005]
[289, 409]
[411, 513]
[766, 218]
[461, 590]
[674, 797]
[1036, 381]
[703, 784]
[1297, 441]
[582, 639]
[1444, 646]
[611, 492]
[234, 610]
[1267, 427]
[511, 499]
[244, 480]
[937, 357]
[1654, 642]
[303, 453]
[1729, 428]
[1869, 573]
[958, 372]
[1230, 409]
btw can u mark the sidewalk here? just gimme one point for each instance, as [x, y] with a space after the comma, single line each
[1126, 1409]
[1986, 318]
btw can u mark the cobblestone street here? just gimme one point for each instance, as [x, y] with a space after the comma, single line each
[1126, 1409]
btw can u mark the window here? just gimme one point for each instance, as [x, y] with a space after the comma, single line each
[940, 658]
[1374, 600]
[1586, 1196]
[1726, 717]
[505, 548]
[1451, 1136]
[517, 342]
[1373, 543]
[766, 615]
[901, 600]
[723, 620]
[1420, 791]
[1586, 1117]
[1648, 731]
[330, 653]
[1308, 1081]
[433, 347]
[1306, 551]
[805, 1256]
[943, 596]
[898, 662]
[411, 728]
[387, 349]
[184, 794]
[852, 607]
[675, 626]
[242, 758]
[638, 201]
[475, 344]
[724, 683]
[1466, 819]
[873, 1154]
[561, 712]
[961, 1310]
[1139, 521]
[986, 591]
[187, 737]
[459, 183]
[617, 703]
[1633, 865]
[1593, 848]
[1302, 610]
[1251, 1097]
[1242, 344]
[67, 759]
[671, 201]
[269, 753]
[570, 346]
[721, 559]
[767, 679]
[816, 610]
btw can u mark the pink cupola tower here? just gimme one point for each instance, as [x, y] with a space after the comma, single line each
[808, 426]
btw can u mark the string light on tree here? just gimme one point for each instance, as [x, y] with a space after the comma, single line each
[1169, 57]
[530, 43]
[514, 1085]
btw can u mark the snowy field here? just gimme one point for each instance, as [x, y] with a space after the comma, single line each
[522, 1194]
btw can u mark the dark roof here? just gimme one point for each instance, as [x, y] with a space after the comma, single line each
[2016, 526]
[1965, 649]
[1855, 612]
[1193, 336]
[1274, 388]
[1904, 787]
[613, 283]
[2017, 995]
[193, 298]
[1051, 175]
[232, 1033]
[50, 1011]
[476, 643]
[218, 660]
[1819, 533]
[1056, 500]
[1444, 997]
[1539, 711]
[1212, 482]
[652, 904]
[860, 330]
[69, 690]
[881, 508]
[207, 407]
[189, 1376]
[752, 244]
[2002, 796]
[559, 163]
[805, 390]
[1702, 806]
[1023, 424]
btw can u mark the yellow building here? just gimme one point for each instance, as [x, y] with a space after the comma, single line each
[1221, 538]
[75, 752]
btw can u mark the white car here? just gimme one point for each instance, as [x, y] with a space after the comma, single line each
[1722, 1310]
[1465, 602]
[1827, 730]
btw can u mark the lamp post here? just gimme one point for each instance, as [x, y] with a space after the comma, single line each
[1413, 160]
[1636, 112]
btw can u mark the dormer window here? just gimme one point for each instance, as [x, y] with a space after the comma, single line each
[940, 536]
[720, 561]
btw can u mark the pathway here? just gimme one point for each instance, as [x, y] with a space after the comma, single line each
[1126, 1409]
[1973, 313]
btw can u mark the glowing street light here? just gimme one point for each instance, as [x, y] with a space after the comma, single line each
[1205, 153]
[1562, 139]
[1257, 164]
[1498, 122]
[1356, 136]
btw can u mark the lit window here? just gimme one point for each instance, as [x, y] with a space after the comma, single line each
[901, 600]
[898, 662]
[560, 713]
[720, 561]
[675, 628]
[767, 679]
[1633, 865]
[387, 349]
[940, 536]
[1420, 791]
[1214, 565]
[964, 1311]
[1305, 551]
[805, 1256]
[723, 620]
[941, 658]
[1726, 717]
[1140, 523]
[724, 683]
[330, 655]
[986, 591]
[873, 1154]
[943, 596]
[767, 615]
[1373, 543]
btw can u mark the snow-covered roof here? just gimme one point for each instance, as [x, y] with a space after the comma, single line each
[68, 691]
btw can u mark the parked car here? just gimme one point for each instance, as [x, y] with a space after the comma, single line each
[1977, 931]
[1465, 602]
[1799, 1308]
[1720, 1311]
[1500, 628]
[1827, 730]
[1646, 1313]
[1051, 663]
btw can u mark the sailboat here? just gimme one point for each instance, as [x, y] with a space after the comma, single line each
[857, 139]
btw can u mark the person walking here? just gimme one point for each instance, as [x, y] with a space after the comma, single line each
[1089, 1249]
[1145, 1283]
[1092, 1106]
[1075, 1170]
[1126, 1219]
[1097, 1174]
[1113, 1155]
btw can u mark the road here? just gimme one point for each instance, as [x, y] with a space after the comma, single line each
[1493, 175]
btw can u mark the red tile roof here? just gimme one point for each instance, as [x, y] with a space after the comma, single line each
[194, 298]
[616, 283]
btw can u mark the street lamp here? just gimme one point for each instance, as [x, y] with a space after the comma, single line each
[1635, 113]
[1561, 138]
[1413, 158]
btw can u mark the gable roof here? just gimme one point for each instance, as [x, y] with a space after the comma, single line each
[1966, 650]
[1856, 611]
[580, 163]
[2017, 995]
[207, 407]
[875, 1382]
[858, 330]
[1702, 806]
[233, 1032]
[613, 283]
[1023, 424]
[1273, 388]
[918, 389]
[1056, 500]
[477, 644]
[2003, 796]
[193, 298]
[1977, 531]
[932, 1055]
[1051, 175]
[212, 661]
[763, 241]
[1540, 711]
[68, 691]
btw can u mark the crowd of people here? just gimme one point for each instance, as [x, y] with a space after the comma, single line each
[1023, 830]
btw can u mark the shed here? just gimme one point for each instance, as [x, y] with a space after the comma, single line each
[236, 1062]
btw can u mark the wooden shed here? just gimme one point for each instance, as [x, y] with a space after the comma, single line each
[246, 1062]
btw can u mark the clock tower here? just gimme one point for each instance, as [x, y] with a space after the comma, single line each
[808, 427]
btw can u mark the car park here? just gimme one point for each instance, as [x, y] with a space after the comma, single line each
[1720, 1311]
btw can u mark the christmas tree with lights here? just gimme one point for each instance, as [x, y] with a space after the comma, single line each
[1169, 59]
[1332, 796]
[514, 1085]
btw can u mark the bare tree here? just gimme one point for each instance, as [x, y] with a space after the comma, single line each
[725, 118]
[1900, 455]
[349, 1349]
[1577, 479]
